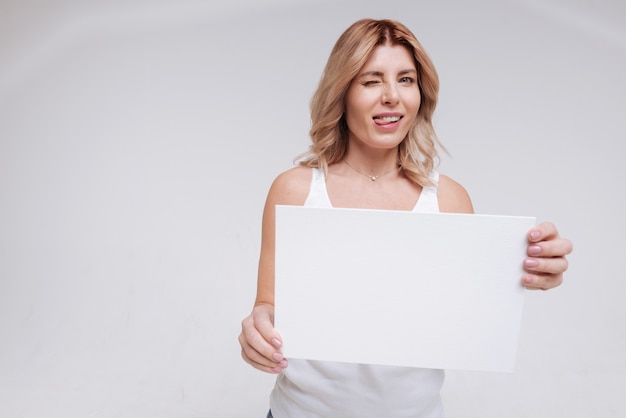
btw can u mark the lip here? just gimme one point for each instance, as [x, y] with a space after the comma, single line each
[379, 119]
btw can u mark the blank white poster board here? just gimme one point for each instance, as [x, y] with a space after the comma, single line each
[400, 288]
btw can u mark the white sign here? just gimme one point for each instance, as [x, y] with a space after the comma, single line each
[400, 288]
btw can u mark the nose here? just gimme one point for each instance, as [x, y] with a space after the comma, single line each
[390, 94]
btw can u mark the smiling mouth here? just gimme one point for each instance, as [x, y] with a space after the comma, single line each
[384, 120]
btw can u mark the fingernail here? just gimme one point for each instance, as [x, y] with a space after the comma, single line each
[277, 370]
[278, 357]
[535, 235]
[276, 342]
[531, 263]
[528, 279]
[534, 250]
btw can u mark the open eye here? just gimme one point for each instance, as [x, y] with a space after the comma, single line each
[407, 80]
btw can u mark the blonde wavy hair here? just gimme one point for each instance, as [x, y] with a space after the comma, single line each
[417, 153]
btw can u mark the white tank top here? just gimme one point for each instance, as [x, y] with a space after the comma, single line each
[308, 388]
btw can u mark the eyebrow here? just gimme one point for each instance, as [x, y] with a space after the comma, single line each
[380, 74]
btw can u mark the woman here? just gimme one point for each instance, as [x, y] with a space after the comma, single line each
[373, 147]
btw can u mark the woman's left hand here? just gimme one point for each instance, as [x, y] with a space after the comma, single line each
[546, 261]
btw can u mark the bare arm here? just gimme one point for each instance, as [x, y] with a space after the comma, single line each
[260, 342]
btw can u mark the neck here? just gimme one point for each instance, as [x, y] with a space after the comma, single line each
[372, 174]
[371, 162]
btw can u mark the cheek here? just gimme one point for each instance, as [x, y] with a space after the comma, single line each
[414, 107]
[413, 101]
[355, 121]
[355, 116]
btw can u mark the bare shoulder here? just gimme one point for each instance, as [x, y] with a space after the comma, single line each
[291, 187]
[453, 198]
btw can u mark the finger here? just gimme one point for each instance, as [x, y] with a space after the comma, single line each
[263, 321]
[558, 247]
[260, 342]
[249, 343]
[251, 339]
[262, 366]
[263, 326]
[541, 282]
[547, 236]
[543, 231]
[541, 265]
[258, 361]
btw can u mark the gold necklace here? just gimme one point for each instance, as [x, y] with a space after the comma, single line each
[373, 178]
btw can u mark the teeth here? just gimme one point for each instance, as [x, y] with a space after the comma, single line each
[389, 118]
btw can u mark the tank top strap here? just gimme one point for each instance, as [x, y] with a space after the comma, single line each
[318, 195]
[428, 202]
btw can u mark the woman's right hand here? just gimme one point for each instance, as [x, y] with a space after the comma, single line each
[260, 343]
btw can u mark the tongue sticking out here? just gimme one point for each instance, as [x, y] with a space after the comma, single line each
[387, 120]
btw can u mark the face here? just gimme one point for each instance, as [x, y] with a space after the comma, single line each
[383, 99]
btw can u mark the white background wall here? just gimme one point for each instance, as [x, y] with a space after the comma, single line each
[138, 140]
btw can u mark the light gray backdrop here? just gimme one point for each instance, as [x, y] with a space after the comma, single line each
[137, 143]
